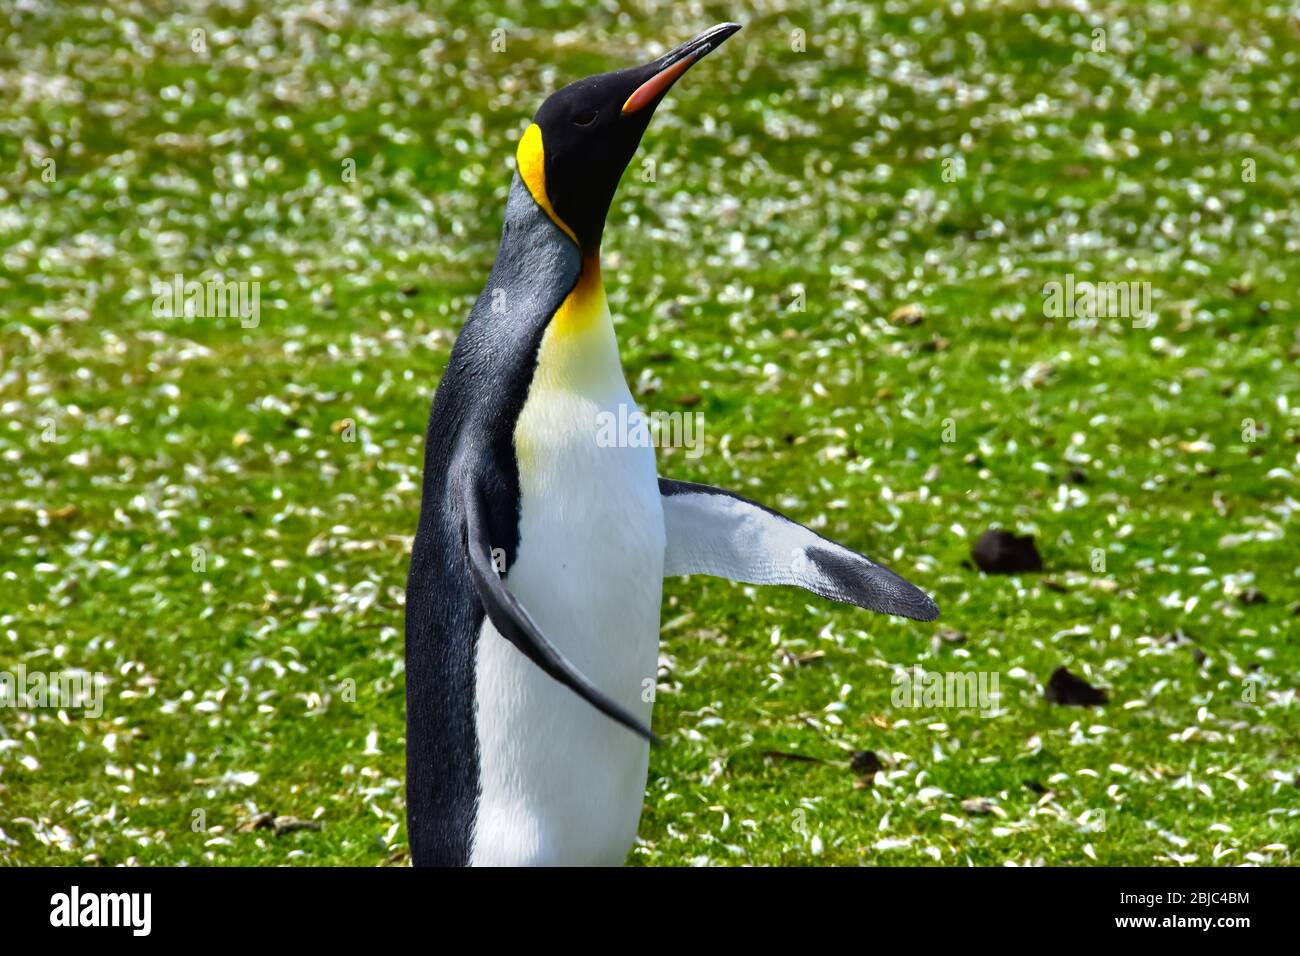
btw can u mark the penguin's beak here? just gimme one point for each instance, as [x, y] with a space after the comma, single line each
[666, 70]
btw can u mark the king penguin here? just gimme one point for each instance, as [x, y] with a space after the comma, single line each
[533, 594]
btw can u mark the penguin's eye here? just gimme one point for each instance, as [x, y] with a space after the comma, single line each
[587, 118]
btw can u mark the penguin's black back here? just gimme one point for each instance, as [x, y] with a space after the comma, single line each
[470, 439]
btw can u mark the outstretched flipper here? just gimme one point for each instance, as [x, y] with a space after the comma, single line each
[711, 531]
[515, 624]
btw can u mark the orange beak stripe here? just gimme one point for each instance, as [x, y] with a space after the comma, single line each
[657, 84]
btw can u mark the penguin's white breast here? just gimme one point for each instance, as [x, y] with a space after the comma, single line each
[561, 783]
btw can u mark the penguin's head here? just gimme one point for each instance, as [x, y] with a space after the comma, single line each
[582, 138]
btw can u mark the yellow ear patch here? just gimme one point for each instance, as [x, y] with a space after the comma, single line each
[530, 157]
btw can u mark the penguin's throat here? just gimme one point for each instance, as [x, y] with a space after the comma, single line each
[585, 304]
[578, 350]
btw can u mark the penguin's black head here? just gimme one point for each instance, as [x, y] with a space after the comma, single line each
[574, 153]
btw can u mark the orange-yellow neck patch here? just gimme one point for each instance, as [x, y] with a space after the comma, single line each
[530, 157]
[585, 303]
[577, 365]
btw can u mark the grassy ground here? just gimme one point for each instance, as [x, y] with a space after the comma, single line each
[135, 449]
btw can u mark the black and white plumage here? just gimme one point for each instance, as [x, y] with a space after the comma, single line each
[534, 589]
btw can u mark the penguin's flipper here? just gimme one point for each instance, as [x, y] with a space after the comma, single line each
[516, 625]
[712, 531]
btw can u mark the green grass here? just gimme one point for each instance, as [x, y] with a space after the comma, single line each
[775, 171]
